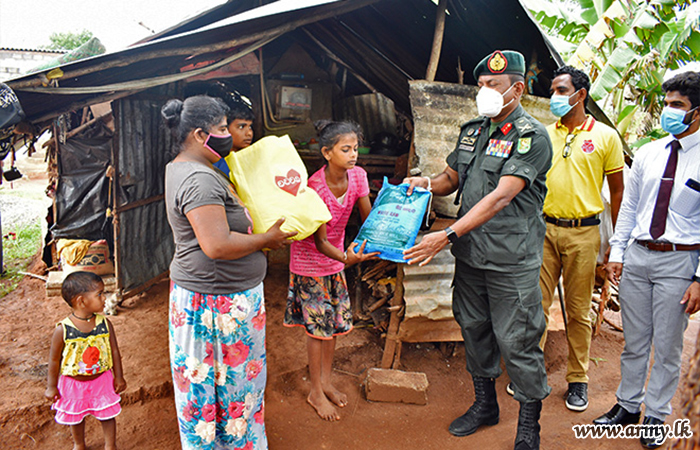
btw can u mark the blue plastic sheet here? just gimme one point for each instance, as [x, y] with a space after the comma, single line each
[394, 222]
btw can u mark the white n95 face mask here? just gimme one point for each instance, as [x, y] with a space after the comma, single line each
[489, 102]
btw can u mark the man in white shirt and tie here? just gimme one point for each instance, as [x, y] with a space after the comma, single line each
[654, 258]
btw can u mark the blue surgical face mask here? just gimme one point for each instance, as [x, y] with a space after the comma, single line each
[559, 104]
[673, 120]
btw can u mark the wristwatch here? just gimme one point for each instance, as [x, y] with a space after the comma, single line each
[451, 235]
[696, 278]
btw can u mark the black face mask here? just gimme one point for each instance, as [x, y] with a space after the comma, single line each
[219, 145]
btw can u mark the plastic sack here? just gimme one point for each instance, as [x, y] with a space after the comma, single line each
[95, 259]
[271, 180]
[394, 221]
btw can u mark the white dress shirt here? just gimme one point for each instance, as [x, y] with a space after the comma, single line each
[642, 188]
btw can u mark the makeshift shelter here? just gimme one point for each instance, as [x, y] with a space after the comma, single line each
[346, 58]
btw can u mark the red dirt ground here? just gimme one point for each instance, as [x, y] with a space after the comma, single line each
[148, 419]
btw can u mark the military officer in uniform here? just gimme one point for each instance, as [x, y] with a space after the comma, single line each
[498, 169]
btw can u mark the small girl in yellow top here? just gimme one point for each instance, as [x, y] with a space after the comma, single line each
[85, 354]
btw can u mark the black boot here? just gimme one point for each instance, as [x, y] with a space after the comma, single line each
[528, 437]
[484, 411]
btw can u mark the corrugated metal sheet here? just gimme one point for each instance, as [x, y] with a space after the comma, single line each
[428, 289]
[387, 42]
[145, 244]
[374, 112]
[439, 110]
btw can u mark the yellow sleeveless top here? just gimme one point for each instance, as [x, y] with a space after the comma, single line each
[86, 353]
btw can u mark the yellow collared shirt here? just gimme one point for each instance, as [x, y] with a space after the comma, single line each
[574, 183]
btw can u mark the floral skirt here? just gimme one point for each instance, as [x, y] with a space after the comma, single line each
[80, 398]
[320, 304]
[218, 362]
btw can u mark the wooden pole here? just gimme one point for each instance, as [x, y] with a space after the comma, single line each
[77, 130]
[337, 59]
[392, 346]
[437, 41]
[117, 111]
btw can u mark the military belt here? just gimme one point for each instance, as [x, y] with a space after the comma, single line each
[571, 223]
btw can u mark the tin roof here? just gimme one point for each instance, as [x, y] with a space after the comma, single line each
[384, 41]
[33, 50]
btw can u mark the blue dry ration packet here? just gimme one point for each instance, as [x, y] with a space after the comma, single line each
[394, 221]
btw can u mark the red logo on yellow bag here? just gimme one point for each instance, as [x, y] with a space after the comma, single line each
[291, 183]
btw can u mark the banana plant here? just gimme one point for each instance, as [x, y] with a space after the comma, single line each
[625, 46]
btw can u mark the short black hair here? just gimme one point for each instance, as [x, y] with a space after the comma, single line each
[515, 77]
[329, 132]
[78, 283]
[238, 109]
[687, 84]
[240, 106]
[578, 78]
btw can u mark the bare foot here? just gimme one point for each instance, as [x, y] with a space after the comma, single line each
[323, 407]
[335, 395]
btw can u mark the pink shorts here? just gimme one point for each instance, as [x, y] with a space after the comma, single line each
[80, 398]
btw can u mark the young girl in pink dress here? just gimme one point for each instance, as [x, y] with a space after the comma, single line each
[318, 296]
[85, 366]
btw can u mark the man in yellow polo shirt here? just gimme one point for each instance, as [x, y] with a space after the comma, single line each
[584, 152]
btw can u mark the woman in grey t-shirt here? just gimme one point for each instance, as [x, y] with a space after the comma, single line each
[217, 310]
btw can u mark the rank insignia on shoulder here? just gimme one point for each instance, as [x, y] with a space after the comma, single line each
[471, 131]
[523, 125]
[524, 145]
[499, 148]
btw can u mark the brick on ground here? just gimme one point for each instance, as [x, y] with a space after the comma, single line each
[396, 386]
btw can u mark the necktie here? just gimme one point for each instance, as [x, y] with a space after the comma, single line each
[658, 220]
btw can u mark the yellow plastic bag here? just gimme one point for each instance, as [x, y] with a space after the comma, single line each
[271, 180]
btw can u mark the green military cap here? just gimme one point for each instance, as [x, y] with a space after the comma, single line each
[500, 62]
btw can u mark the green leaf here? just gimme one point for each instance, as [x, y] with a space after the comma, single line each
[667, 43]
[625, 118]
[589, 12]
[632, 38]
[621, 58]
[619, 28]
[626, 111]
[693, 42]
[640, 142]
[645, 20]
[606, 82]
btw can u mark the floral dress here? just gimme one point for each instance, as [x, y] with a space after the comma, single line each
[217, 350]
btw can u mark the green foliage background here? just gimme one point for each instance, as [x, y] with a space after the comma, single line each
[626, 47]
[68, 41]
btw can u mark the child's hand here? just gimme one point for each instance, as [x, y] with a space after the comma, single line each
[354, 258]
[119, 385]
[52, 394]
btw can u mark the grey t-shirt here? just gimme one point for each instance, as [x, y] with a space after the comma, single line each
[189, 185]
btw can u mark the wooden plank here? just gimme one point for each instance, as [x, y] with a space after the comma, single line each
[139, 203]
[392, 338]
[422, 329]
